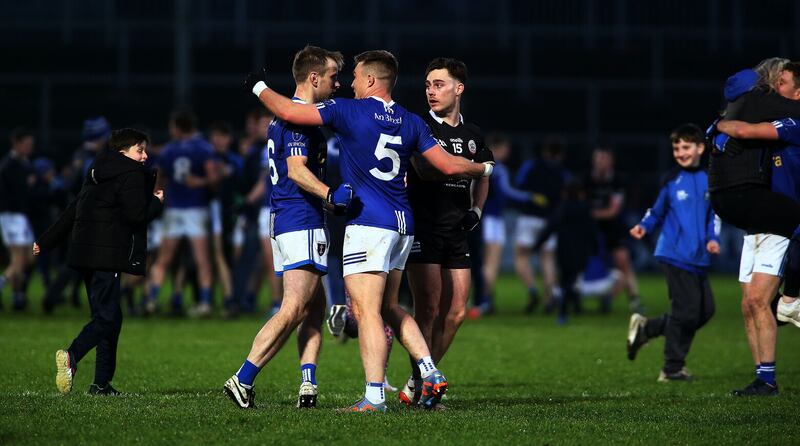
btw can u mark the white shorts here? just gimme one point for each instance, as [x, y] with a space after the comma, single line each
[185, 222]
[215, 212]
[294, 249]
[16, 230]
[762, 253]
[265, 223]
[370, 249]
[237, 237]
[155, 231]
[527, 231]
[494, 230]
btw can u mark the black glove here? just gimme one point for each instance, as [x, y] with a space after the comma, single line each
[470, 220]
[253, 78]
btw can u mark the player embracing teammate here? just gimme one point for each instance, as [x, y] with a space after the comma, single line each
[377, 138]
[445, 210]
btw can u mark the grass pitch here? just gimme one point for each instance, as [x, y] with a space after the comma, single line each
[513, 380]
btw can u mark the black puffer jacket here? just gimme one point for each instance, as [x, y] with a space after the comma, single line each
[107, 224]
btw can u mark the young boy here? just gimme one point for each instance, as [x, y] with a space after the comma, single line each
[689, 235]
[107, 231]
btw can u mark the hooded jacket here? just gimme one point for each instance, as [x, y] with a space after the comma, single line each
[747, 162]
[106, 225]
[688, 223]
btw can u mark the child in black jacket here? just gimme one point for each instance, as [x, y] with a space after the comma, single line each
[106, 227]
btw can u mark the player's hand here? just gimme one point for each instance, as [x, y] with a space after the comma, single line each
[339, 199]
[253, 78]
[712, 247]
[159, 194]
[470, 220]
[638, 232]
[36, 249]
[540, 200]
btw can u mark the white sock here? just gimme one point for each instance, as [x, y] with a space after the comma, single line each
[374, 393]
[426, 367]
[410, 382]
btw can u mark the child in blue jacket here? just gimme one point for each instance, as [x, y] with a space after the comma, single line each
[689, 236]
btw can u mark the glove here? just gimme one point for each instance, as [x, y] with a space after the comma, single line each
[720, 141]
[253, 78]
[339, 199]
[470, 220]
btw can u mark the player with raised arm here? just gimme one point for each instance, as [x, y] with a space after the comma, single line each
[445, 210]
[377, 138]
[299, 237]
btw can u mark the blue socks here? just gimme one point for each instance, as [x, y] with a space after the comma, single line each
[205, 296]
[309, 372]
[247, 373]
[153, 296]
[766, 372]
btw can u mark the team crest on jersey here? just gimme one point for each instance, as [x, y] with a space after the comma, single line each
[321, 247]
[472, 147]
[296, 136]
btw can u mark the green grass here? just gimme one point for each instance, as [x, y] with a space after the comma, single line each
[514, 379]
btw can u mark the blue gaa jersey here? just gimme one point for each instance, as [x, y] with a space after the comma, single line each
[501, 191]
[377, 140]
[178, 159]
[294, 209]
[786, 161]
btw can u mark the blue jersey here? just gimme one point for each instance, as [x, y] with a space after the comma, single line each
[293, 208]
[376, 140]
[501, 190]
[786, 161]
[179, 159]
[688, 222]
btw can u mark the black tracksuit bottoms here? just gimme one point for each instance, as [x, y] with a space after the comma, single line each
[691, 306]
[102, 332]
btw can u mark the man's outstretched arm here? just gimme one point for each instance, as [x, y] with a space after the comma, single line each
[745, 130]
[455, 165]
[283, 107]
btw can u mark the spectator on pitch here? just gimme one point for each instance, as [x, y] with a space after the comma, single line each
[689, 236]
[16, 179]
[571, 222]
[185, 165]
[106, 227]
[606, 198]
[544, 178]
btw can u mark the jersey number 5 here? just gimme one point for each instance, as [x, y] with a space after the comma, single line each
[382, 152]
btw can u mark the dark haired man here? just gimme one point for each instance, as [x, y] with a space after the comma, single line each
[188, 169]
[445, 210]
[377, 137]
[107, 231]
[298, 234]
[16, 178]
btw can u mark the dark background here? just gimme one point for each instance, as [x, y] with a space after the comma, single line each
[618, 72]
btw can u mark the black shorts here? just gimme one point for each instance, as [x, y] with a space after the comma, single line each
[757, 210]
[449, 250]
[614, 234]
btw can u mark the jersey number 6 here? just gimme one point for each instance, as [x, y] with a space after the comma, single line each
[382, 152]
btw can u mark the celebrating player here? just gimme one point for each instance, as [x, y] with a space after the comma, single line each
[377, 139]
[299, 238]
[445, 210]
